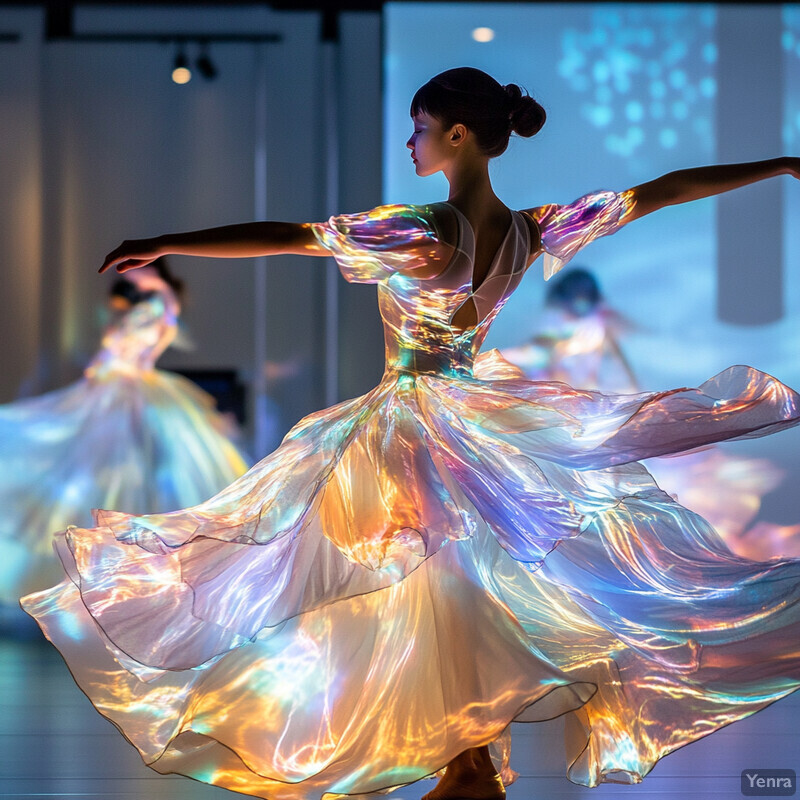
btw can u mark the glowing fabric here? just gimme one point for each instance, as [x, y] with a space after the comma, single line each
[723, 488]
[413, 569]
[567, 229]
[126, 436]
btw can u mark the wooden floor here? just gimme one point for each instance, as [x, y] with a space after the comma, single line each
[53, 744]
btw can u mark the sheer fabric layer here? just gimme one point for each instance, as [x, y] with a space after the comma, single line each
[243, 641]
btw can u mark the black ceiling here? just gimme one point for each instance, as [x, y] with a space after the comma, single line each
[282, 5]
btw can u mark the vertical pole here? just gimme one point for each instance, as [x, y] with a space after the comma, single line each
[330, 67]
[261, 427]
[749, 120]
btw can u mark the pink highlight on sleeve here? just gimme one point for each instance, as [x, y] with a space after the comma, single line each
[568, 229]
[371, 246]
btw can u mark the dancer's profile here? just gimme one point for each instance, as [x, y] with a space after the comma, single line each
[414, 569]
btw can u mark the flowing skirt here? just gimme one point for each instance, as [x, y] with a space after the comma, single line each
[143, 442]
[412, 570]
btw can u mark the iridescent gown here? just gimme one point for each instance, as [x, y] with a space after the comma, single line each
[413, 569]
[125, 436]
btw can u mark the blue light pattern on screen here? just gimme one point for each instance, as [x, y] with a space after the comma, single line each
[637, 78]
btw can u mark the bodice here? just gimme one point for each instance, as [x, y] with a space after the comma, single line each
[389, 243]
[418, 314]
[136, 337]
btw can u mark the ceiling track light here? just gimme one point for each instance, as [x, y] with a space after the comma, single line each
[205, 66]
[180, 69]
[181, 73]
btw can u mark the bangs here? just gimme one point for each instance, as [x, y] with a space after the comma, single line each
[428, 100]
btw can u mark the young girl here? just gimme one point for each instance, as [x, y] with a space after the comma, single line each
[126, 435]
[412, 570]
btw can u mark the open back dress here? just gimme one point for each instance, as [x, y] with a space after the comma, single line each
[414, 569]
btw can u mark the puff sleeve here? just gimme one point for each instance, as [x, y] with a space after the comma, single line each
[567, 229]
[370, 246]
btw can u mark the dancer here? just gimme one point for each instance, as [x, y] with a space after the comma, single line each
[125, 436]
[413, 569]
[578, 343]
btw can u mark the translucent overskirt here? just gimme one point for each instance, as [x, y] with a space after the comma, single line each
[412, 570]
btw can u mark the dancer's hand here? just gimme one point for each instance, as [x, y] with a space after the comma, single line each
[132, 254]
[794, 166]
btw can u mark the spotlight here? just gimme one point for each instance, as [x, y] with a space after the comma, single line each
[205, 66]
[180, 69]
[483, 35]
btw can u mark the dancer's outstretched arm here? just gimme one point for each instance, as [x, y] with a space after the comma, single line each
[230, 241]
[566, 229]
[685, 185]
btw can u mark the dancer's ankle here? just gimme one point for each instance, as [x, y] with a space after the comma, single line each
[473, 763]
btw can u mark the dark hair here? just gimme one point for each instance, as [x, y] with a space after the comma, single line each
[165, 273]
[571, 286]
[128, 290]
[491, 111]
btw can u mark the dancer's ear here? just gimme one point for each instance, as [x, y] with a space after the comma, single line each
[457, 134]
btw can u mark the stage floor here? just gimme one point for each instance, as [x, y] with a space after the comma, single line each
[53, 744]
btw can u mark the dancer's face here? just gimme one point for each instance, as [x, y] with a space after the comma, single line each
[430, 144]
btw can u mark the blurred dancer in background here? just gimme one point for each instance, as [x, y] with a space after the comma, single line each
[578, 342]
[124, 436]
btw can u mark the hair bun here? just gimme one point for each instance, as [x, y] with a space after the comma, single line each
[525, 115]
[491, 111]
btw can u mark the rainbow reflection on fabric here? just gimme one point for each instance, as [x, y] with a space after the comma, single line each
[125, 436]
[413, 569]
[567, 229]
[723, 488]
